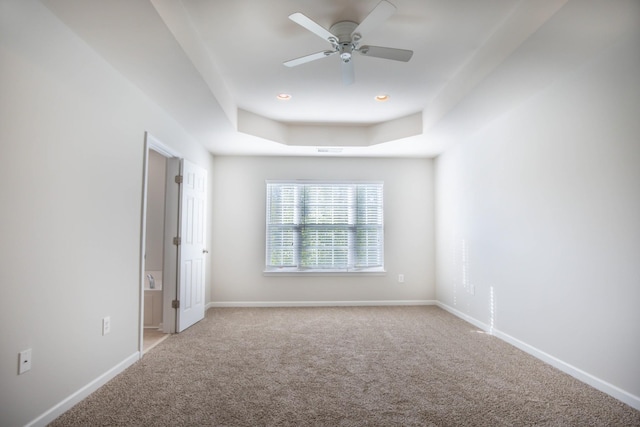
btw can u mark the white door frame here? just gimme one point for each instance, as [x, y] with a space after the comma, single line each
[169, 286]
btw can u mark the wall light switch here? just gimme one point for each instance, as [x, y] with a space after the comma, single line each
[400, 278]
[24, 361]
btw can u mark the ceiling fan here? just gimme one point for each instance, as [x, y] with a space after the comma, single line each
[345, 37]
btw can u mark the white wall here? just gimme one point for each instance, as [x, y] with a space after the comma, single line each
[546, 203]
[72, 145]
[239, 231]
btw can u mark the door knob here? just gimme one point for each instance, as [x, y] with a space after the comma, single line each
[204, 251]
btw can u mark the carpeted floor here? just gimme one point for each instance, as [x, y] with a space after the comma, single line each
[342, 366]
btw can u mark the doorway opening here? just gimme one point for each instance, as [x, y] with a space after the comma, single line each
[172, 256]
[157, 289]
[154, 250]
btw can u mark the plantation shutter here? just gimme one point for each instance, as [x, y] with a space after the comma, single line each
[328, 214]
[283, 217]
[324, 226]
[369, 226]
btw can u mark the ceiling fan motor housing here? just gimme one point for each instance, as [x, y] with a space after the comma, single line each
[346, 43]
[345, 37]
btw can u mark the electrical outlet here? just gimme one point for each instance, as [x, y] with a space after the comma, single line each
[24, 361]
[106, 325]
[400, 278]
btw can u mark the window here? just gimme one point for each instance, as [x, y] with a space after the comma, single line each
[324, 227]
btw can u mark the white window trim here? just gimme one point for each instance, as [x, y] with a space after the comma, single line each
[311, 273]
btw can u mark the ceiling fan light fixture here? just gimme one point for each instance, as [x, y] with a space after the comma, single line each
[345, 37]
[382, 97]
[345, 51]
[283, 96]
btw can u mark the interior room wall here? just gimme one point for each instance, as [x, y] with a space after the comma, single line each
[238, 254]
[537, 224]
[72, 142]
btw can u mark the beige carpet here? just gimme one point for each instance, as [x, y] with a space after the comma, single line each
[347, 366]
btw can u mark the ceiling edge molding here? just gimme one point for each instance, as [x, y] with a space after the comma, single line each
[328, 135]
[256, 125]
[177, 20]
[396, 129]
[321, 135]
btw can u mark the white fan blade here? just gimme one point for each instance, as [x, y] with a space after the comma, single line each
[386, 53]
[348, 74]
[377, 16]
[309, 58]
[311, 25]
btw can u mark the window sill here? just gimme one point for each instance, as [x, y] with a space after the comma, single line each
[285, 272]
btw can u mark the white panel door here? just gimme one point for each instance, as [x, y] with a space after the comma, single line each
[192, 249]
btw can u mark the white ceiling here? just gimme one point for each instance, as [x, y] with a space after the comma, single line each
[216, 66]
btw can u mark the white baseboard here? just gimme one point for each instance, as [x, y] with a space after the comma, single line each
[85, 391]
[585, 377]
[464, 317]
[317, 303]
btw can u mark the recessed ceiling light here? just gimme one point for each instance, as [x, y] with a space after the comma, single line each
[283, 96]
[382, 98]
